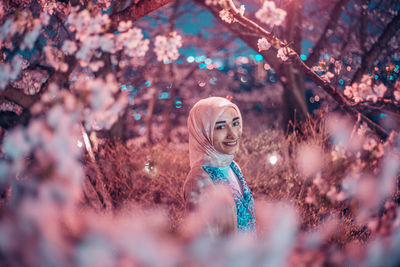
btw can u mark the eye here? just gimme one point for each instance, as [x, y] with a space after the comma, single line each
[236, 123]
[220, 127]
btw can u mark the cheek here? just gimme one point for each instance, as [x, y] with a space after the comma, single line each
[239, 131]
[218, 136]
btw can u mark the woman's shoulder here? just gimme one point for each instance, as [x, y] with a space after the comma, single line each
[197, 176]
[196, 182]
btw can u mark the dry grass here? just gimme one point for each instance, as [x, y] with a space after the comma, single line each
[146, 177]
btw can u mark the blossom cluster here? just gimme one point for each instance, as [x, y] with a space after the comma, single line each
[54, 57]
[85, 25]
[166, 47]
[30, 81]
[101, 108]
[53, 142]
[91, 35]
[53, 8]
[270, 14]
[9, 71]
[130, 40]
[365, 90]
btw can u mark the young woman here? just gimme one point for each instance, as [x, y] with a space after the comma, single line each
[215, 129]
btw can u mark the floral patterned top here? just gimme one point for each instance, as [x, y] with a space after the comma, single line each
[246, 220]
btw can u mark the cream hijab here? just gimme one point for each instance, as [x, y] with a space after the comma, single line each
[201, 122]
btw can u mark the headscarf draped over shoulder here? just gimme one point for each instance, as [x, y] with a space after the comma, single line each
[201, 121]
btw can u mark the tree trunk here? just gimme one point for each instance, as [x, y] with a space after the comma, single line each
[294, 101]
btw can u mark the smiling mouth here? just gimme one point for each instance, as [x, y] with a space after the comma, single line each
[231, 143]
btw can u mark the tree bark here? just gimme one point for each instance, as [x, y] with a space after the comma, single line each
[137, 11]
[294, 101]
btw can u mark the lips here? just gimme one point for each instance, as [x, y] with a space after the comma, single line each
[231, 143]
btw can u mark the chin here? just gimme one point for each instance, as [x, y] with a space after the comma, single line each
[231, 151]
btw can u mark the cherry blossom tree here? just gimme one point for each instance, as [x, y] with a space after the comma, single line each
[73, 69]
[323, 70]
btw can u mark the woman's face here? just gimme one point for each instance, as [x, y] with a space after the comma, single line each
[227, 132]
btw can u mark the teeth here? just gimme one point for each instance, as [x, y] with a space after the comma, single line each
[231, 143]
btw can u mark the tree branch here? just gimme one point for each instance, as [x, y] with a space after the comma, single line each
[336, 95]
[249, 32]
[18, 97]
[256, 30]
[330, 26]
[363, 25]
[137, 11]
[369, 58]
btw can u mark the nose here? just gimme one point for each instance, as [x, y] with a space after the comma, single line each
[232, 134]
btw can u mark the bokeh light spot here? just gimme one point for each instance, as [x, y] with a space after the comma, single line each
[273, 159]
[190, 59]
[164, 95]
[213, 80]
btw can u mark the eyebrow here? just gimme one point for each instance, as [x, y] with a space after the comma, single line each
[234, 119]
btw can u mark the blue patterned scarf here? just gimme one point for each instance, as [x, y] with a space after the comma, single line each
[246, 219]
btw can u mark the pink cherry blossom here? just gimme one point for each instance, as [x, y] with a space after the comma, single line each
[270, 14]
[69, 47]
[327, 76]
[263, 44]
[283, 53]
[226, 16]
